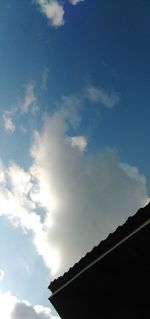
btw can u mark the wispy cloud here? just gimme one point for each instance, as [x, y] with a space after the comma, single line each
[1, 274]
[44, 79]
[23, 129]
[30, 101]
[98, 95]
[24, 106]
[9, 125]
[74, 2]
[53, 11]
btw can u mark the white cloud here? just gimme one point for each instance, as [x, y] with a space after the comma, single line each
[74, 2]
[20, 199]
[25, 310]
[7, 302]
[22, 184]
[2, 173]
[15, 203]
[12, 308]
[8, 121]
[53, 11]
[99, 95]
[84, 196]
[30, 101]
[78, 141]
[1, 274]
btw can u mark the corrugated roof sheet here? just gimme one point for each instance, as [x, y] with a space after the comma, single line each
[129, 226]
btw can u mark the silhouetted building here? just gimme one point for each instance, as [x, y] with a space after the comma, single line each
[113, 280]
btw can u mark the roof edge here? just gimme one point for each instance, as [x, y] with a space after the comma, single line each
[101, 257]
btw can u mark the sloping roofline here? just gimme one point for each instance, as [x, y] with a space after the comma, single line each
[120, 235]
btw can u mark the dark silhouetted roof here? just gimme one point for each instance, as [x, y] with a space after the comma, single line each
[113, 279]
[132, 223]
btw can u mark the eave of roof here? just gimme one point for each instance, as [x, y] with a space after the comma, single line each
[122, 233]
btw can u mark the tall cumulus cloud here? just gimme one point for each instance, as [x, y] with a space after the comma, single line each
[85, 196]
[82, 196]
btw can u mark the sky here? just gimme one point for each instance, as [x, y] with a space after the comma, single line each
[74, 137]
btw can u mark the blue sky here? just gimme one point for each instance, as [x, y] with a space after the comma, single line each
[74, 136]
